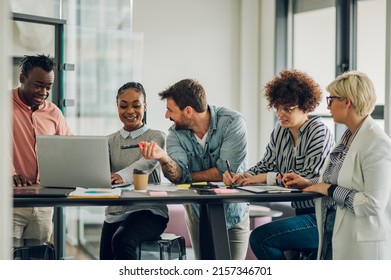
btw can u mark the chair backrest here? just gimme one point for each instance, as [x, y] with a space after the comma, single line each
[177, 223]
[44, 251]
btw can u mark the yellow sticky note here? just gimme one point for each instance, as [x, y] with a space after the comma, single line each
[199, 183]
[183, 186]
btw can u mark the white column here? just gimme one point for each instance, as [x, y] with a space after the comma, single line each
[267, 19]
[387, 100]
[5, 93]
[249, 93]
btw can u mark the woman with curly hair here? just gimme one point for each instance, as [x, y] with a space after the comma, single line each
[298, 144]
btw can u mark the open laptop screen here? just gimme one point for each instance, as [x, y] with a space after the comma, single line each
[73, 161]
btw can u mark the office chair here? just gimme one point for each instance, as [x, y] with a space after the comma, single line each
[44, 251]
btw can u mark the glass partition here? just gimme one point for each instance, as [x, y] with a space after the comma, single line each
[102, 60]
[371, 48]
[314, 41]
[98, 55]
[42, 8]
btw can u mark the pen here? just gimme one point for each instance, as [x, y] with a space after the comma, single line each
[129, 146]
[232, 186]
[279, 171]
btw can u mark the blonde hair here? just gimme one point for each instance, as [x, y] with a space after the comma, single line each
[357, 87]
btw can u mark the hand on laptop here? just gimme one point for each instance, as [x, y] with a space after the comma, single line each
[20, 181]
[116, 179]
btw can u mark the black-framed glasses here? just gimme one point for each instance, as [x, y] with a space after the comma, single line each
[329, 99]
[285, 110]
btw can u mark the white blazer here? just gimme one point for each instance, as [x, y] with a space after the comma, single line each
[366, 233]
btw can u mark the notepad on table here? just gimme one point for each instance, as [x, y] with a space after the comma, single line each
[267, 189]
[95, 193]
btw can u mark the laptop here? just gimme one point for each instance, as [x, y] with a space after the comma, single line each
[73, 161]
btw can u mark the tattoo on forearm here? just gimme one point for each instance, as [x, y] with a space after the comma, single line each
[171, 170]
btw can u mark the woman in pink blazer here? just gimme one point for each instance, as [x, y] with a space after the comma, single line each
[354, 216]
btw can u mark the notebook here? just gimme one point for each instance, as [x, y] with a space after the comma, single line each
[73, 161]
[267, 189]
[37, 191]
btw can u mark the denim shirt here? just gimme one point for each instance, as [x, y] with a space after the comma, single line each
[226, 139]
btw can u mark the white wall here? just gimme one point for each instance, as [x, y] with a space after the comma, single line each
[5, 85]
[216, 42]
[189, 39]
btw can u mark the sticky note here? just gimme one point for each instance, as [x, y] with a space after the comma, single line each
[158, 193]
[219, 191]
[183, 186]
[199, 183]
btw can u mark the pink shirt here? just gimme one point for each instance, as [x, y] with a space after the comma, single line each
[46, 120]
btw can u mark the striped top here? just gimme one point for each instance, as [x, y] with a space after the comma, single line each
[314, 144]
[341, 196]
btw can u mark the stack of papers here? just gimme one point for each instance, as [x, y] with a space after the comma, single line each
[95, 193]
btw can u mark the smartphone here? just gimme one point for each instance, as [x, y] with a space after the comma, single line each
[205, 192]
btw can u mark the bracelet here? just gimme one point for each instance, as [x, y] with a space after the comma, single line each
[331, 189]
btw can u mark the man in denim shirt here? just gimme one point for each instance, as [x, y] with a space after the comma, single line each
[202, 138]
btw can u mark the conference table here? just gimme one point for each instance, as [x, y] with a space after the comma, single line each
[214, 242]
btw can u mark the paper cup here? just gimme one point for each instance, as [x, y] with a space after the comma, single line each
[140, 180]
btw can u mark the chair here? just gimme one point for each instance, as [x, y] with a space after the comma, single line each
[44, 251]
[168, 246]
[259, 215]
[177, 223]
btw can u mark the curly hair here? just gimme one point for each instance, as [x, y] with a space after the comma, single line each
[292, 87]
[29, 62]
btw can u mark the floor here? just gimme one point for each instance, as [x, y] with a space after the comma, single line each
[77, 253]
[80, 253]
[90, 250]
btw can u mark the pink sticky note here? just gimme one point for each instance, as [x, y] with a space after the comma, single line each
[158, 193]
[219, 191]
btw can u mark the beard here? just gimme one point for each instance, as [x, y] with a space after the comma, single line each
[180, 126]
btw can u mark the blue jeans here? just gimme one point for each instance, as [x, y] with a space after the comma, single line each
[298, 233]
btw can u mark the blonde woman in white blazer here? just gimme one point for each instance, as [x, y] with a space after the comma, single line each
[354, 216]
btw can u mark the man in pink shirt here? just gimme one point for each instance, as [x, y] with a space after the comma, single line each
[33, 115]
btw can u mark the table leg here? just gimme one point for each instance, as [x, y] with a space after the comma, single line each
[59, 232]
[213, 233]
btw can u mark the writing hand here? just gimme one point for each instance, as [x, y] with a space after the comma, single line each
[230, 178]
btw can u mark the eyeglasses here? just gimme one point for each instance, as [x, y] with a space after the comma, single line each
[285, 110]
[329, 99]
